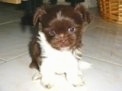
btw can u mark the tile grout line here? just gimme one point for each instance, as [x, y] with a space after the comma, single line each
[9, 22]
[18, 56]
[3, 59]
[102, 60]
[12, 59]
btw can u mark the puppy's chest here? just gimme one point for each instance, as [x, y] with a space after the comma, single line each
[59, 61]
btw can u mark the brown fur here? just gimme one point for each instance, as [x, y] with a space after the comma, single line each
[35, 52]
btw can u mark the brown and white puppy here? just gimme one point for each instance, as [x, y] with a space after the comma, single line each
[56, 50]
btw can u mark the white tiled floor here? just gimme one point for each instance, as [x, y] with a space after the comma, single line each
[102, 49]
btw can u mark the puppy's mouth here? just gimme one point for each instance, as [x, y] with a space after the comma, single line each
[62, 43]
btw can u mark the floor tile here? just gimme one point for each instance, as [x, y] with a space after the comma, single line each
[2, 61]
[13, 74]
[9, 13]
[103, 40]
[14, 41]
[103, 76]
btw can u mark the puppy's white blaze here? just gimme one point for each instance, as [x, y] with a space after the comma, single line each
[59, 15]
[56, 62]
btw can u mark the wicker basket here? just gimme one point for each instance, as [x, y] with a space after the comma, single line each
[111, 10]
[11, 1]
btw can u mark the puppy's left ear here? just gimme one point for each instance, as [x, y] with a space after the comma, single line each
[81, 10]
[38, 15]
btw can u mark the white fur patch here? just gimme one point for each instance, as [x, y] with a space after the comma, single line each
[59, 15]
[59, 60]
[57, 63]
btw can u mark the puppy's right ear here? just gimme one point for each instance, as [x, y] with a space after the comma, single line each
[38, 15]
[81, 10]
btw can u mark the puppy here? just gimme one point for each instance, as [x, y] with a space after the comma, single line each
[56, 49]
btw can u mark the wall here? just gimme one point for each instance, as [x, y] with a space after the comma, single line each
[88, 3]
[11, 1]
[91, 3]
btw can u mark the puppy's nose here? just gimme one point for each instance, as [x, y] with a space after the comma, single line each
[61, 35]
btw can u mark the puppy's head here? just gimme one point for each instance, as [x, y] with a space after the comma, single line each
[62, 25]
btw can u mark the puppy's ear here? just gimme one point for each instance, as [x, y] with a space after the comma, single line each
[81, 10]
[38, 15]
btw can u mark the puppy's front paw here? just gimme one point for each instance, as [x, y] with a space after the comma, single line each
[76, 81]
[48, 86]
[36, 76]
[46, 83]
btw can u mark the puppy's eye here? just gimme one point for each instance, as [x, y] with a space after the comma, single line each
[52, 33]
[72, 29]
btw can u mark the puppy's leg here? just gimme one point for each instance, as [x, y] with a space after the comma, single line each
[74, 76]
[35, 52]
[37, 75]
[48, 75]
